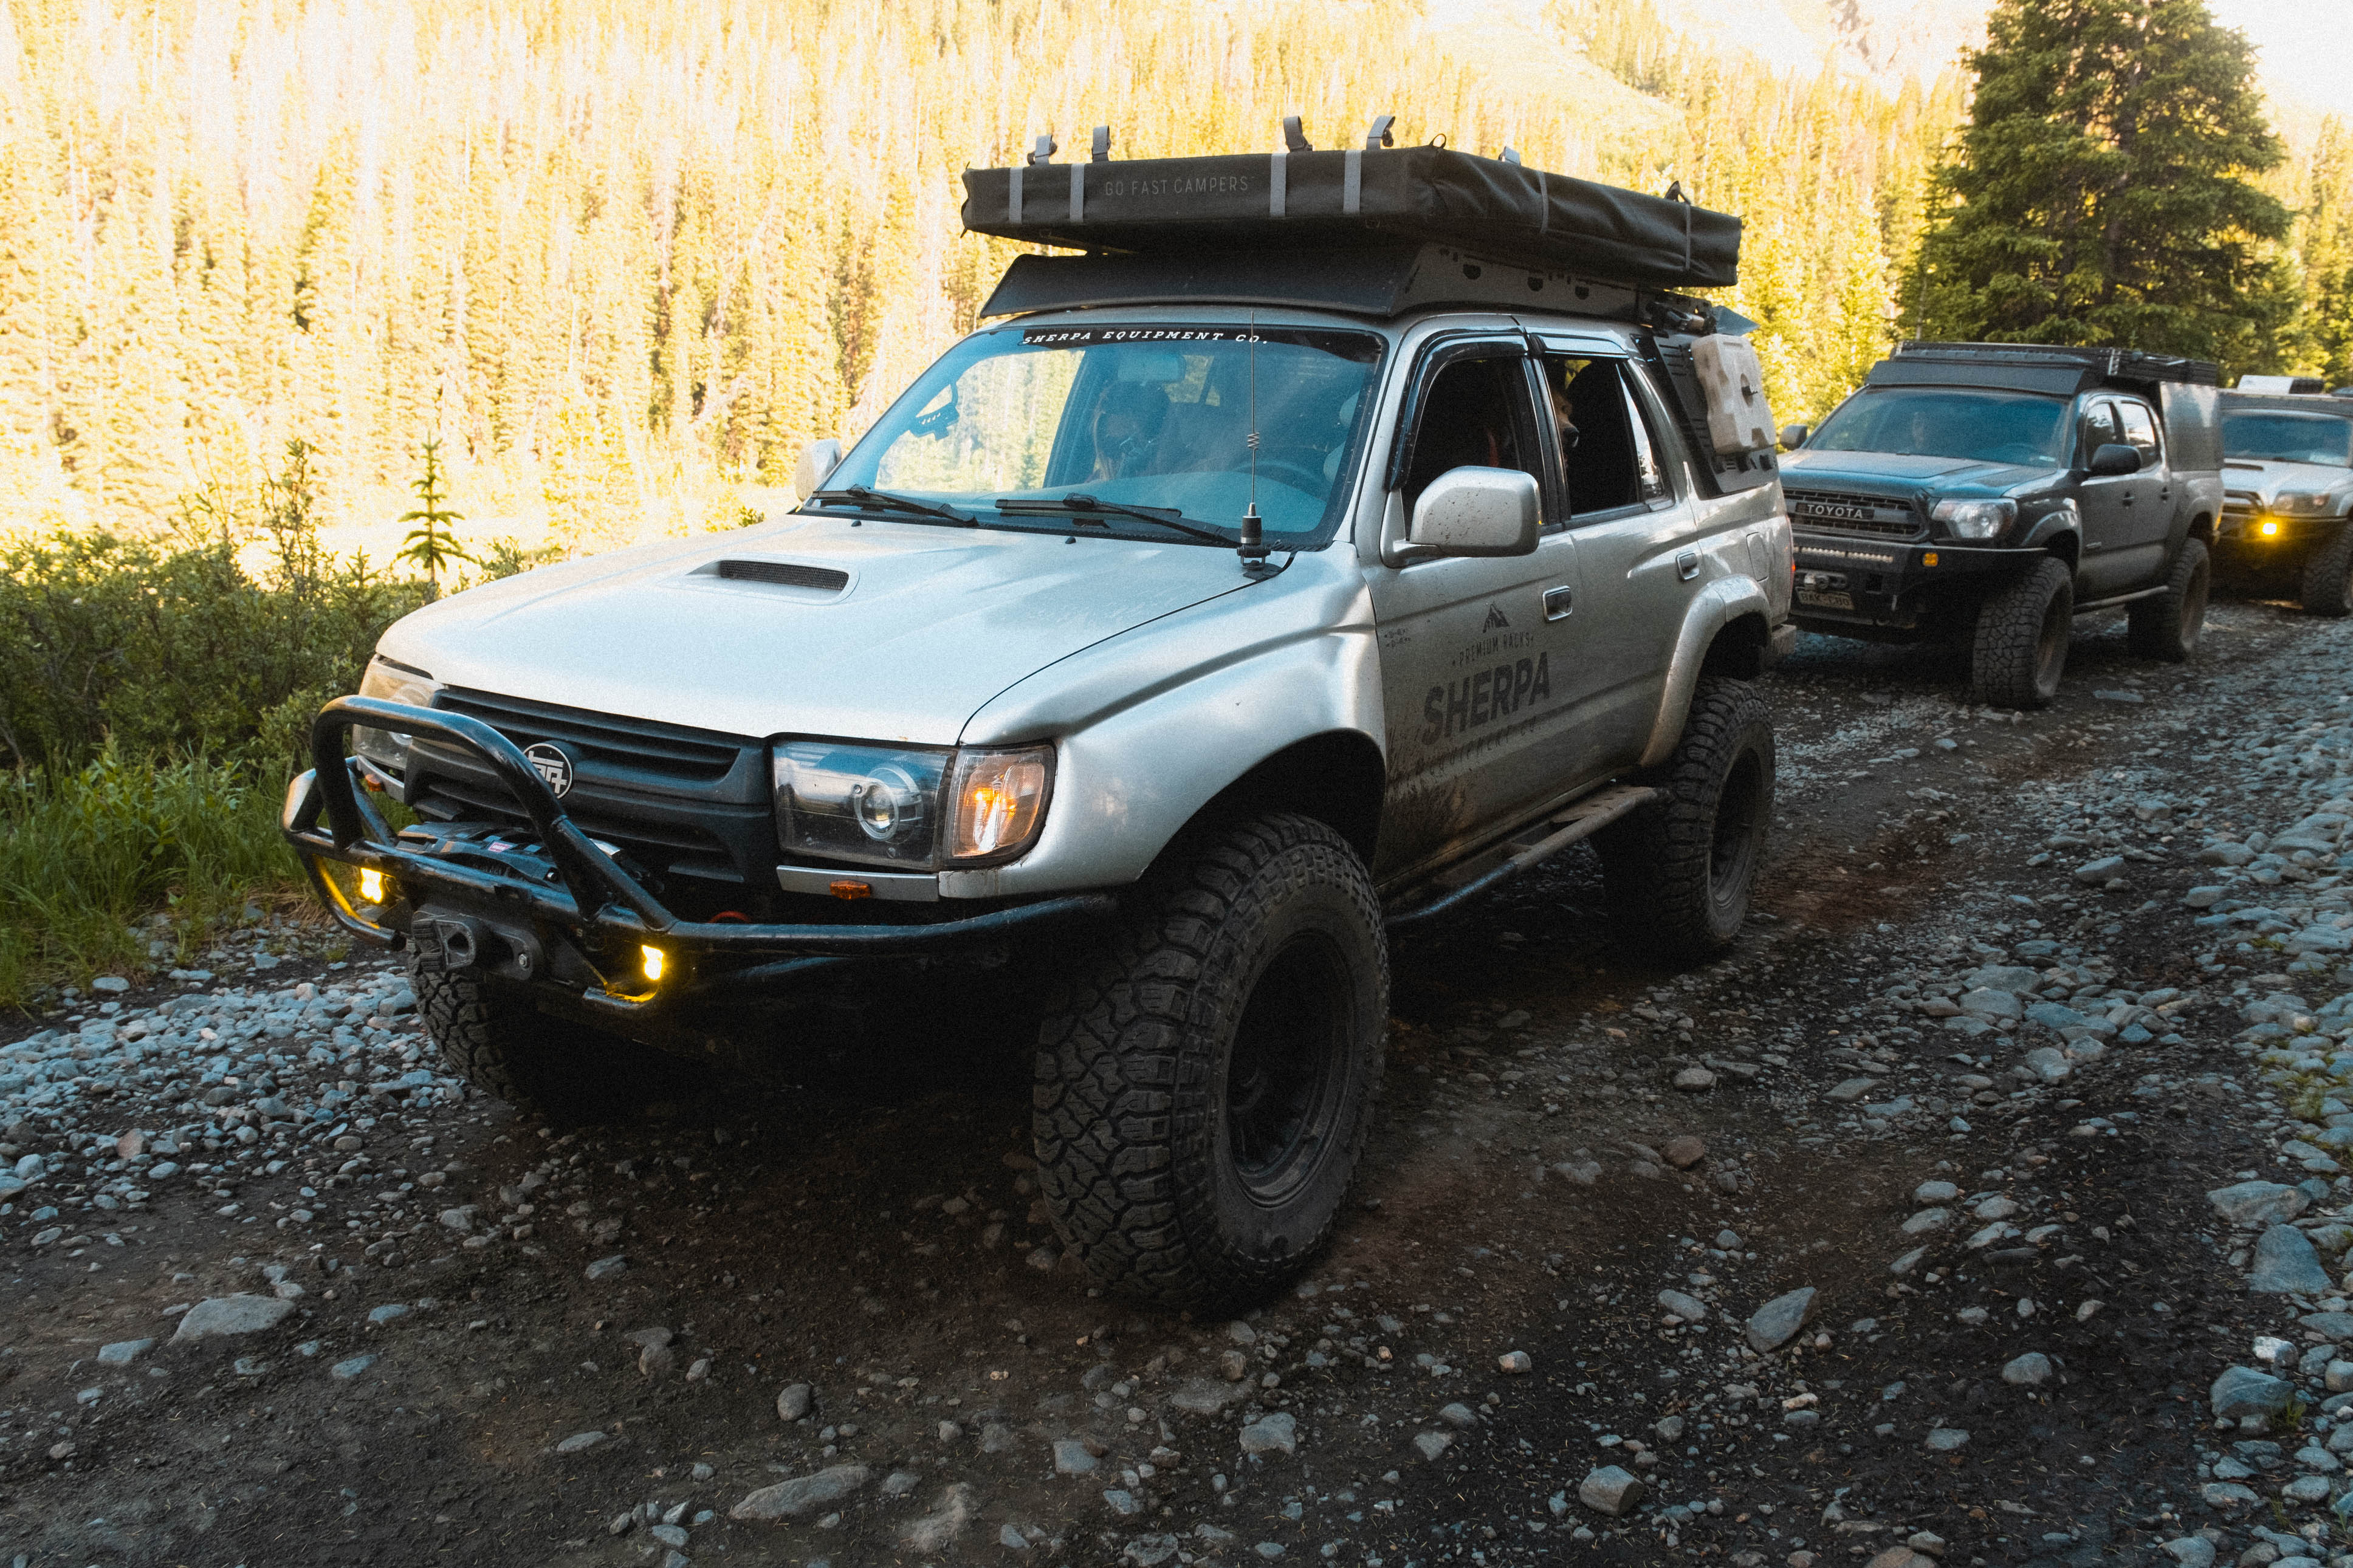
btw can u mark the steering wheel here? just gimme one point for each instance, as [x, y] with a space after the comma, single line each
[1297, 475]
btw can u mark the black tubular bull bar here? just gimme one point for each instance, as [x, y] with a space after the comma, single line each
[601, 908]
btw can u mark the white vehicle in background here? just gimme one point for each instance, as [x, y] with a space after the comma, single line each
[2287, 490]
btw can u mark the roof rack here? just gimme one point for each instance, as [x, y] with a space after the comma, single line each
[2108, 363]
[1299, 199]
[1379, 281]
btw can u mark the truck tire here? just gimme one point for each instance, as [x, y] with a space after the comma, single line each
[2328, 575]
[2166, 625]
[498, 1043]
[2022, 637]
[1679, 871]
[1204, 1082]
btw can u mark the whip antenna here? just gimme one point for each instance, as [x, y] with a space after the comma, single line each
[1252, 545]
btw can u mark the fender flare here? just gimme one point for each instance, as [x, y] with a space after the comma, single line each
[1715, 607]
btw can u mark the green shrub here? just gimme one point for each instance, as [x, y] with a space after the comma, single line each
[98, 862]
[163, 650]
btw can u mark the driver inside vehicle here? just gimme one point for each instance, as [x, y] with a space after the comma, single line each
[1127, 424]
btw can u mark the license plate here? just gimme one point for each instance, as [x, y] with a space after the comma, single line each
[1822, 601]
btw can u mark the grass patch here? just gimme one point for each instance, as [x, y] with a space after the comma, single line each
[125, 866]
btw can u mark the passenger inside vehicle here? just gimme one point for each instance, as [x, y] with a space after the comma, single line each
[1468, 419]
[1598, 459]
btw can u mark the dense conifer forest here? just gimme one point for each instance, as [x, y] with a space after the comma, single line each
[621, 260]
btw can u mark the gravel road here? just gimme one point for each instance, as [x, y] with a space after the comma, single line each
[1982, 1206]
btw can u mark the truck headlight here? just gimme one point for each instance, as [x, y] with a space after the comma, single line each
[2301, 503]
[392, 683]
[1975, 519]
[1000, 802]
[910, 807]
[873, 804]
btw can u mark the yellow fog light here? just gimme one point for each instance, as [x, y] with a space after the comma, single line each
[1929, 559]
[2268, 528]
[371, 885]
[652, 961]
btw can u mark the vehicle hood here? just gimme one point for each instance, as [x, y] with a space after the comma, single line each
[932, 623]
[1900, 474]
[2260, 483]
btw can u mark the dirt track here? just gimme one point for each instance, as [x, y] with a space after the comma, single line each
[872, 1235]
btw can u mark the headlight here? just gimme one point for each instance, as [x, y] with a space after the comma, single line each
[859, 803]
[1975, 519]
[2301, 503]
[910, 807]
[392, 683]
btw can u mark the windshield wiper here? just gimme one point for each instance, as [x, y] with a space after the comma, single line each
[884, 501]
[1024, 506]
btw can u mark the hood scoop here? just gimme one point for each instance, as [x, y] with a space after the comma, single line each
[784, 575]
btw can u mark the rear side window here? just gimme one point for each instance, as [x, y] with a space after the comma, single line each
[1606, 458]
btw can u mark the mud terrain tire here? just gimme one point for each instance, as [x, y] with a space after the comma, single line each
[1204, 1080]
[2022, 637]
[1679, 871]
[2328, 587]
[498, 1043]
[2167, 626]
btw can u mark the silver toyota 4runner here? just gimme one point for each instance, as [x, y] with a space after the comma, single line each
[1216, 609]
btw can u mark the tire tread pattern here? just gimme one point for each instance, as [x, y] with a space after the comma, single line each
[2009, 635]
[512, 1052]
[1658, 861]
[2327, 586]
[2153, 625]
[1123, 1117]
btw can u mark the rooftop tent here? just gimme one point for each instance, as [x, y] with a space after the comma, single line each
[1307, 200]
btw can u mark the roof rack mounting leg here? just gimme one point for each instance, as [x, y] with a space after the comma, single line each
[1044, 150]
[1294, 135]
[1101, 152]
[1511, 155]
[1377, 134]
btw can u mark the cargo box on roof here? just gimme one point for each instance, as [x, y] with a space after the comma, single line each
[1311, 200]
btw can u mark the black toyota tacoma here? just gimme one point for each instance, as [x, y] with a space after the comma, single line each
[1985, 494]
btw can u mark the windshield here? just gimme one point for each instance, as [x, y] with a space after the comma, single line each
[1143, 416]
[2017, 428]
[2281, 437]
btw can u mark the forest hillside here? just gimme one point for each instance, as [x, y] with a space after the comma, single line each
[621, 260]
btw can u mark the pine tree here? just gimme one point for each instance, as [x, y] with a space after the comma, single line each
[2104, 188]
[428, 546]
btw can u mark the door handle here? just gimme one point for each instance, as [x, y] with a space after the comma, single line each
[1557, 603]
[1687, 566]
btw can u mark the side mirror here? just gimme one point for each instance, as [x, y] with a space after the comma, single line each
[1794, 437]
[1478, 511]
[2114, 458]
[818, 461]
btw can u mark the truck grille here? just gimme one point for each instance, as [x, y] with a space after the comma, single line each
[640, 745]
[682, 802]
[1828, 512]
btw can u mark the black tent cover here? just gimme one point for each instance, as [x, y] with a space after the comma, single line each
[1304, 200]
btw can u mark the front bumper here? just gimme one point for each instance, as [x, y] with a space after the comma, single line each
[586, 925]
[1845, 581]
[2256, 540]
